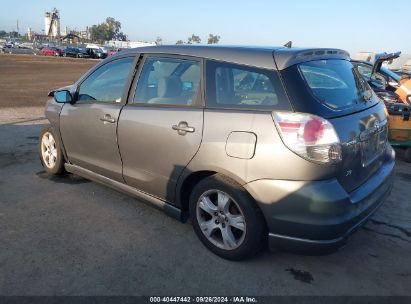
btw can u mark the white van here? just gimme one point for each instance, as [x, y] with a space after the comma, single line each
[96, 47]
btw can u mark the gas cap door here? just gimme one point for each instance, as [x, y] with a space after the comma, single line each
[241, 145]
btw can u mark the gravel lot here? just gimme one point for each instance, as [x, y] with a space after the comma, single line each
[25, 80]
[69, 236]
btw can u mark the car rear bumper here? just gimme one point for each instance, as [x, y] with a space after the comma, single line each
[319, 215]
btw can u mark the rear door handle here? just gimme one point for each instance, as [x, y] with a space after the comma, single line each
[108, 118]
[182, 128]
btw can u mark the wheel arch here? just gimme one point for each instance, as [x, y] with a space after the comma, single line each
[189, 179]
[187, 183]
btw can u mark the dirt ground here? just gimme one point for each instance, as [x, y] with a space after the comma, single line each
[25, 80]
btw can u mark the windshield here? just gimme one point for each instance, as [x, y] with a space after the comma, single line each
[336, 83]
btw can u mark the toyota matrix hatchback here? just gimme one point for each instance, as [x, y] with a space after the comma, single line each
[280, 145]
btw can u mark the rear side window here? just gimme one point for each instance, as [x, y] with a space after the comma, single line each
[237, 86]
[168, 81]
[336, 83]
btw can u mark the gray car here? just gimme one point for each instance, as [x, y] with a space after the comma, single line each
[283, 146]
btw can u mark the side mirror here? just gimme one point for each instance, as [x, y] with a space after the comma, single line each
[63, 96]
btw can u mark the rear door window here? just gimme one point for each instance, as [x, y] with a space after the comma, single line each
[336, 83]
[237, 86]
[168, 81]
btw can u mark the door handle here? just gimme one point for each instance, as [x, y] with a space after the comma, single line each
[108, 118]
[182, 128]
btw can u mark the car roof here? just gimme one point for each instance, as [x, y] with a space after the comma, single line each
[258, 56]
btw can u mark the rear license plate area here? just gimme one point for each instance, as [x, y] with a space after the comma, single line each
[373, 146]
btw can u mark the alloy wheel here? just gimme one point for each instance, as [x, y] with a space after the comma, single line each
[48, 150]
[221, 219]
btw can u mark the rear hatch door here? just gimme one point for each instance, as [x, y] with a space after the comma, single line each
[363, 136]
[333, 89]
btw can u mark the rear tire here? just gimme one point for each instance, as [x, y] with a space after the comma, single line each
[50, 153]
[226, 218]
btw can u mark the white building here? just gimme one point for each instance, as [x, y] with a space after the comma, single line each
[52, 23]
[127, 44]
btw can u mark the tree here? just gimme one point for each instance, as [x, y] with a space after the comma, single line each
[113, 27]
[108, 30]
[193, 39]
[98, 33]
[213, 39]
[121, 36]
[159, 41]
[180, 42]
[3, 33]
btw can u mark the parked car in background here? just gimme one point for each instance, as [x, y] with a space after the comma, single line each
[74, 52]
[390, 86]
[51, 51]
[6, 48]
[403, 73]
[252, 144]
[96, 47]
[113, 52]
[96, 53]
[9, 45]
[381, 79]
[17, 49]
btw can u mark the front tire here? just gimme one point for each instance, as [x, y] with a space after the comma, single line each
[226, 218]
[50, 153]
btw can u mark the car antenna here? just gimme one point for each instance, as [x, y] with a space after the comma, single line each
[289, 44]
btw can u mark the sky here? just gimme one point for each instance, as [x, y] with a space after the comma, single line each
[361, 25]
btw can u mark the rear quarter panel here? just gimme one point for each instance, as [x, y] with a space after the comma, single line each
[271, 160]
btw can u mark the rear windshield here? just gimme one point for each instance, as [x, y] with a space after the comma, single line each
[336, 83]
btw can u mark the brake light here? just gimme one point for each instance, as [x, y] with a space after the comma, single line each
[289, 126]
[310, 136]
[313, 130]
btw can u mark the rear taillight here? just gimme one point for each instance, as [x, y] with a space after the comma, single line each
[310, 136]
